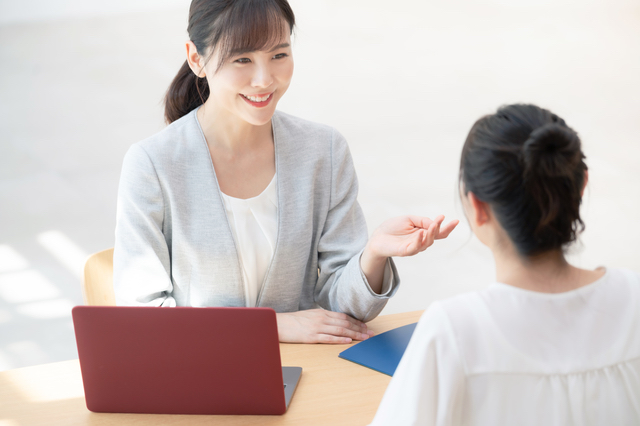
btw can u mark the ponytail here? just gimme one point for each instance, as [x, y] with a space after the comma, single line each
[186, 93]
[550, 157]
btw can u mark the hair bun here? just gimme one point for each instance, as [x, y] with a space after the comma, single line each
[552, 150]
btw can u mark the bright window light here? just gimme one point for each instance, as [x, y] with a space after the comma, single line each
[11, 260]
[5, 364]
[66, 251]
[30, 386]
[26, 286]
[48, 309]
[27, 351]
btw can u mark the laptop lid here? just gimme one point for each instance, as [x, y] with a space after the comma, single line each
[180, 360]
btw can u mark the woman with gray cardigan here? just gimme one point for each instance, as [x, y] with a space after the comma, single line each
[237, 204]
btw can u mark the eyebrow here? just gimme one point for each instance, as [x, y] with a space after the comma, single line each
[280, 46]
[243, 51]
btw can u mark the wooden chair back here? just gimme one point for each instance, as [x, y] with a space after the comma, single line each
[97, 286]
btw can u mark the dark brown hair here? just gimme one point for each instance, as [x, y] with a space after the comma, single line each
[528, 165]
[232, 27]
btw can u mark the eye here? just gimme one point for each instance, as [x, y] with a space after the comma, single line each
[280, 56]
[243, 60]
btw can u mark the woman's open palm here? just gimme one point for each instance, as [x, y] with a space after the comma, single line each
[408, 235]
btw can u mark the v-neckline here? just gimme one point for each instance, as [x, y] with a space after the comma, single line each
[260, 195]
[267, 275]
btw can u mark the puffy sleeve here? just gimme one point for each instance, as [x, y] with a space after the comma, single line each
[428, 385]
[141, 261]
[341, 285]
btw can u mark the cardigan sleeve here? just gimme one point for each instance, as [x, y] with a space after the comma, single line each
[428, 386]
[141, 260]
[341, 285]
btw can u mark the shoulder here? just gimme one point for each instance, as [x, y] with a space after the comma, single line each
[619, 287]
[625, 276]
[172, 145]
[447, 315]
[623, 286]
[297, 126]
[460, 320]
[292, 128]
[435, 324]
[178, 135]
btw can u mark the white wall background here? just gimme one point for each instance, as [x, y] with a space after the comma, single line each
[22, 11]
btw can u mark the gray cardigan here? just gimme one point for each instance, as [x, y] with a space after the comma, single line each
[174, 245]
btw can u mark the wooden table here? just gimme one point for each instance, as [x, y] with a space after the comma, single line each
[332, 391]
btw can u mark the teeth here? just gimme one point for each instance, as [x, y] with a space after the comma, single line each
[257, 98]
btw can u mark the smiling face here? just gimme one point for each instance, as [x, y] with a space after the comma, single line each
[246, 85]
[249, 85]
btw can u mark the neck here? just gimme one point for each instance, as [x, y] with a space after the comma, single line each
[227, 131]
[548, 272]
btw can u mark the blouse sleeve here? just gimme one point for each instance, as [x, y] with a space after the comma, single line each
[427, 388]
[141, 262]
[341, 285]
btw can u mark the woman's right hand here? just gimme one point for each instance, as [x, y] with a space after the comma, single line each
[320, 326]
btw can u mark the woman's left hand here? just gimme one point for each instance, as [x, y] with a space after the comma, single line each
[400, 236]
[408, 235]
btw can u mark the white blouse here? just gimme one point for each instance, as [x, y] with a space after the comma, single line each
[508, 356]
[254, 224]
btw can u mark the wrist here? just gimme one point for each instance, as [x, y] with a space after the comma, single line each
[371, 260]
[371, 253]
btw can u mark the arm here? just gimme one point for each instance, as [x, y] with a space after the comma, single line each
[361, 284]
[353, 281]
[141, 260]
[341, 285]
[428, 386]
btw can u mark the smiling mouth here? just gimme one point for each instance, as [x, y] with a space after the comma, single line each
[257, 99]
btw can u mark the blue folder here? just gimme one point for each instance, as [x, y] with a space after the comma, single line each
[382, 352]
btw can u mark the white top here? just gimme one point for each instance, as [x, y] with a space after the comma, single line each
[254, 225]
[507, 356]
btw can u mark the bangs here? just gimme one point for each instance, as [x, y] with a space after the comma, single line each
[251, 25]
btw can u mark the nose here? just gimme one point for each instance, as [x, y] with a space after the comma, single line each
[262, 76]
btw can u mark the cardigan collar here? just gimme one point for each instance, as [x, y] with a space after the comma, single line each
[285, 190]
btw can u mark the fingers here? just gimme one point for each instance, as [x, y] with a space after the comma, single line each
[334, 327]
[446, 230]
[441, 232]
[346, 320]
[327, 338]
[409, 235]
[346, 325]
[345, 332]
[420, 221]
[431, 233]
[424, 238]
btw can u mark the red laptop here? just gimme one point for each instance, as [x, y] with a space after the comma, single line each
[182, 360]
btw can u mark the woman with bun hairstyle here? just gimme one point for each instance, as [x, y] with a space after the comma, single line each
[548, 343]
[237, 204]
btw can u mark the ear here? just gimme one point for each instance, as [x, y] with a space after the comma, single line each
[584, 185]
[480, 211]
[196, 62]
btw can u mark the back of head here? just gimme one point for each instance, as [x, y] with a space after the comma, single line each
[528, 165]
